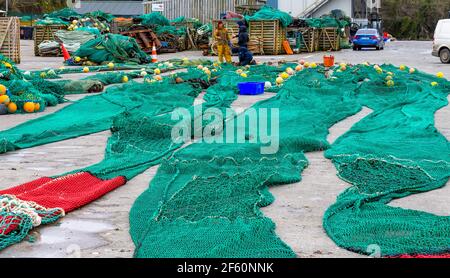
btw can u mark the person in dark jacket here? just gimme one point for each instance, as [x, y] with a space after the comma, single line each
[245, 56]
[243, 37]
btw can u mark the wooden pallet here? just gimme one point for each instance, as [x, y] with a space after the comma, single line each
[144, 38]
[329, 39]
[45, 33]
[10, 38]
[118, 26]
[272, 34]
[309, 40]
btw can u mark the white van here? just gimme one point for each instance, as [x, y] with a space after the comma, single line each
[441, 42]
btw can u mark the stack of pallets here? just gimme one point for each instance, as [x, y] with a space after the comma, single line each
[329, 39]
[309, 41]
[10, 38]
[272, 34]
[121, 25]
[144, 38]
[45, 33]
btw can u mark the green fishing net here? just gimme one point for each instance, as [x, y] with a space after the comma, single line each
[269, 13]
[324, 22]
[154, 19]
[112, 48]
[35, 90]
[205, 199]
[394, 152]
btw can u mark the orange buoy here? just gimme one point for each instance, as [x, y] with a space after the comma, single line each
[12, 107]
[37, 107]
[28, 107]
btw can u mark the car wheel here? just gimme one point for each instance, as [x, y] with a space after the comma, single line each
[444, 54]
[377, 48]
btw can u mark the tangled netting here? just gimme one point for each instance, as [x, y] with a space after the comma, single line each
[141, 123]
[35, 90]
[269, 13]
[40, 86]
[112, 48]
[205, 199]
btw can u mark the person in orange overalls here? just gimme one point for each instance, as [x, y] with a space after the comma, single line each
[223, 39]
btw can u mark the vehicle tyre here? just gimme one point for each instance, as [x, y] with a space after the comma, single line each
[377, 48]
[444, 54]
[355, 47]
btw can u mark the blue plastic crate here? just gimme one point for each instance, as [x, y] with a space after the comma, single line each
[251, 88]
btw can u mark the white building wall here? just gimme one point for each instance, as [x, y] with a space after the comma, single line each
[296, 7]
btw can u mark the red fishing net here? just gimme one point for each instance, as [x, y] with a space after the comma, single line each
[68, 192]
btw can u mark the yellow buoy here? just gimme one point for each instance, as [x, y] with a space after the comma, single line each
[440, 74]
[434, 84]
[77, 59]
[313, 65]
[284, 75]
[3, 89]
[125, 79]
[402, 67]
[390, 83]
[4, 99]
[85, 69]
[244, 75]
[279, 80]
[12, 107]
[28, 107]
[306, 65]
[157, 71]
[111, 65]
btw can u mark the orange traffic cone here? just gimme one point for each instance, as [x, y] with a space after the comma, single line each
[65, 52]
[154, 55]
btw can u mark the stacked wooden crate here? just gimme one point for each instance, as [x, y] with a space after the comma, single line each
[45, 33]
[309, 39]
[10, 38]
[329, 39]
[272, 34]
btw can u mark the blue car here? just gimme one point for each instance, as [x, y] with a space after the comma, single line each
[368, 38]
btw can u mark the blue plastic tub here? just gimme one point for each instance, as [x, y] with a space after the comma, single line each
[251, 88]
